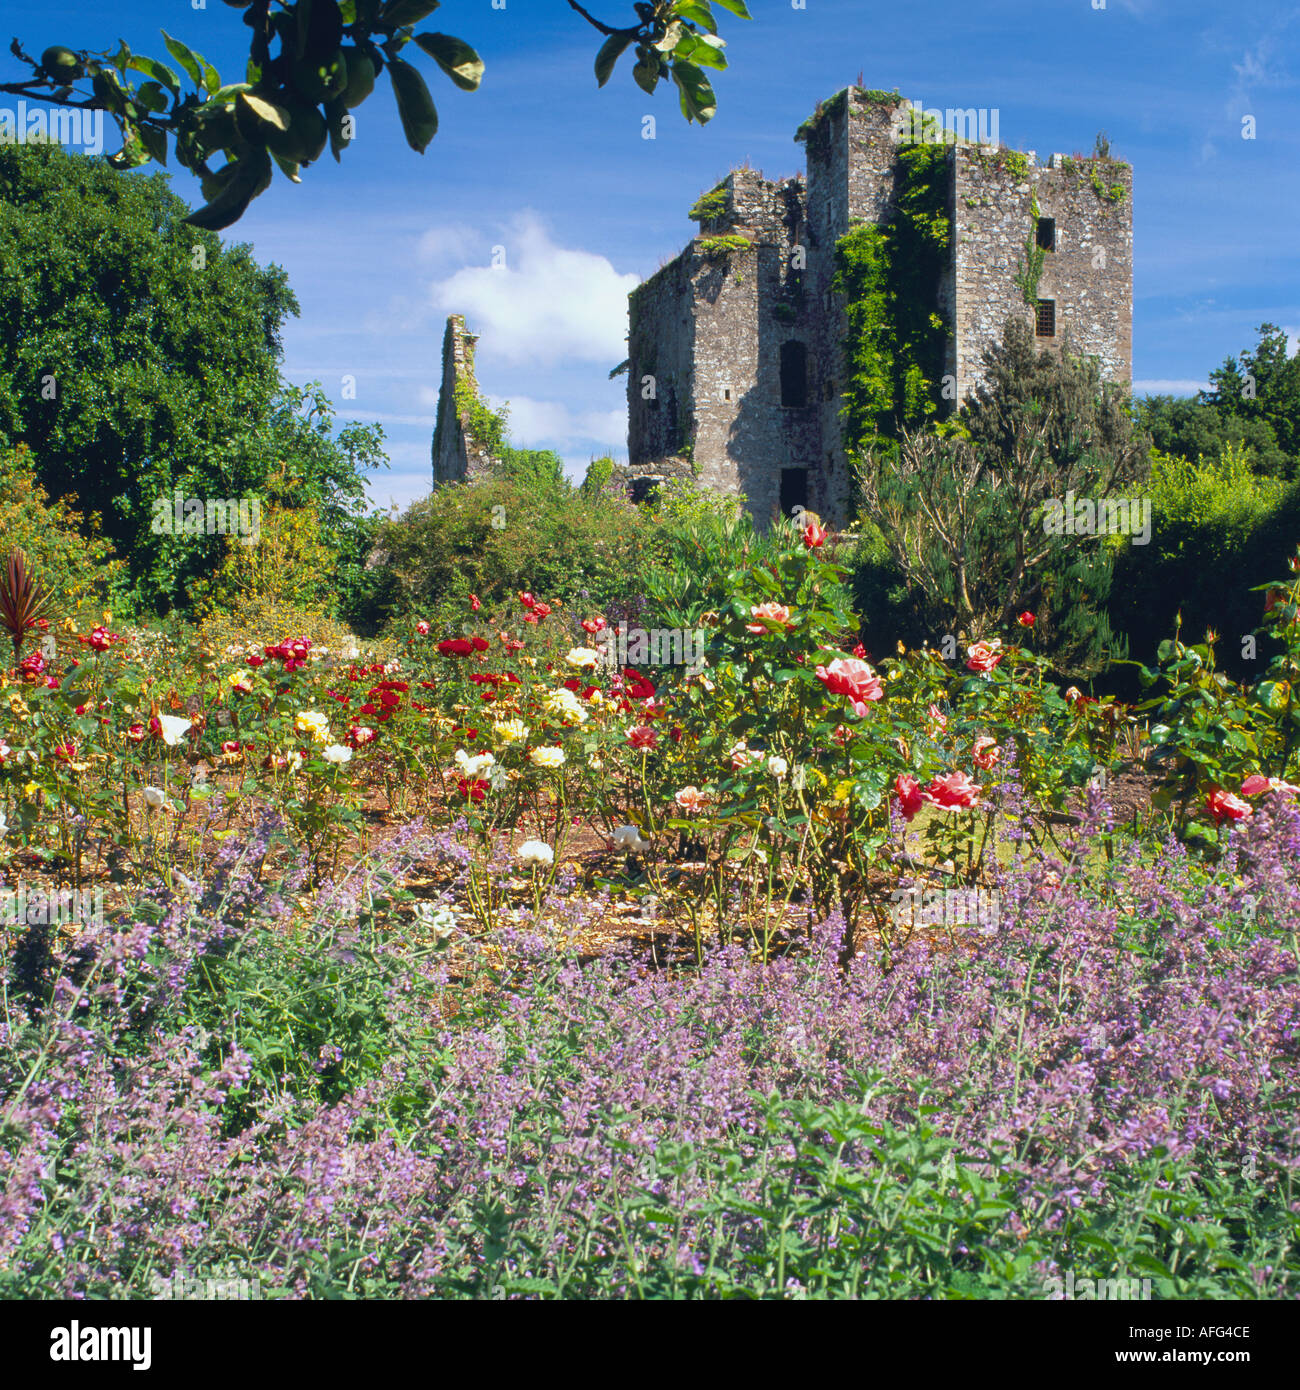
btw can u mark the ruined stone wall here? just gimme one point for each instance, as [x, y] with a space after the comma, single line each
[661, 341]
[457, 456]
[993, 217]
[710, 326]
[851, 179]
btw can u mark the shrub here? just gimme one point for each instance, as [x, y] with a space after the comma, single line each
[76, 563]
[495, 537]
[1218, 529]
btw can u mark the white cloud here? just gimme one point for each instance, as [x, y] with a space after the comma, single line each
[544, 305]
[454, 241]
[1169, 388]
[551, 424]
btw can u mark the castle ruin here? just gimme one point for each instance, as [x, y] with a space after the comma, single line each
[738, 348]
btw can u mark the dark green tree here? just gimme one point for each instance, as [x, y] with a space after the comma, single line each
[141, 356]
[956, 536]
[1262, 386]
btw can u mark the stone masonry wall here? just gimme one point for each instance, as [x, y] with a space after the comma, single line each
[457, 456]
[1089, 275]
[661, 339]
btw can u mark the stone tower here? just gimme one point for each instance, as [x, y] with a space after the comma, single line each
[736, 349]
[457, 456]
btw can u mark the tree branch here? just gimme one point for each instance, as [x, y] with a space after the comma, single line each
[596, 24]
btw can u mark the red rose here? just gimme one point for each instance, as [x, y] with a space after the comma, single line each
[422, 629]
[472, 791]
[1026, 620]
[456, 646]
[1224, 806]
[474, 604]
[642, 736]
[910, 796]
[814, 536]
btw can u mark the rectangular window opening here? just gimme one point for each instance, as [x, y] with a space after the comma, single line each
[1046, 318]
[1047, 233]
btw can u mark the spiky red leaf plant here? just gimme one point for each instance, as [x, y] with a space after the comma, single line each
[23, 599]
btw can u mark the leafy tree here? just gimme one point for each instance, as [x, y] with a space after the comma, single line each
[1189, 428]
[1262, 386]
[142, 357]
[960, 510]
[64, 548]
[311, 63]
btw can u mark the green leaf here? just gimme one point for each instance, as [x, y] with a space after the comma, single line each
[187, 59]
[693, 49]
[415, 106]
[154, 140]
[266, 111]
[400, 12]
[672, 37]
[158, 71]
[151, 96]
[610, 52]
[737, 7]
[697, 99]
[244, 180]
[697, 12]
[647, 71]
[455, 57]
[287, 167]
[226, 95]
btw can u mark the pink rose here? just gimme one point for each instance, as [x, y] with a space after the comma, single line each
[983, 656]
[955, 792]
[691, 799]
[848, 676]
[986, 752]
[768, 616]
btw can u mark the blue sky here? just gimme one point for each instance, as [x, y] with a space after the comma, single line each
[540, 162]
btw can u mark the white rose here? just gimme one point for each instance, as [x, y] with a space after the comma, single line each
[536, 852]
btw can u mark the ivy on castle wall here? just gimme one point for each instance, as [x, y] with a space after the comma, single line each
[889, 276]
[1029, 274]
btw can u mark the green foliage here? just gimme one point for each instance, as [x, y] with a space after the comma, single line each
[499, 535]
[1031, 268]
[74, 562]
[955, 541]
[889, 276]
[310, 63]
[1209, 732]
[1262, 387]
[710, 205]
[183, 389]
[1190, 428]
[715, 247]
[1211, 519]
[486, 426]
[599, 473]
